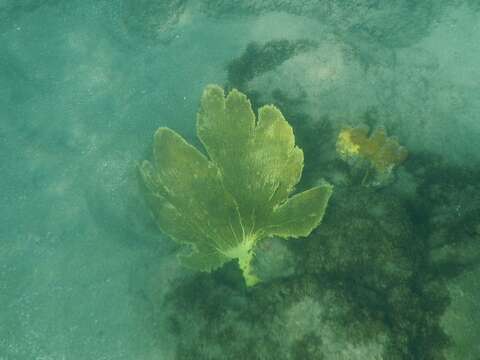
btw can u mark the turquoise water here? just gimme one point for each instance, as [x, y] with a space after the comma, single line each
[391, 273]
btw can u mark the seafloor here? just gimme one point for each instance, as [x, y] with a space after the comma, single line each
[391, 273]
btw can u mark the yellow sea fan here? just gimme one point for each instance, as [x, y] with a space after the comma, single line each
[221, 203]
[381, 151]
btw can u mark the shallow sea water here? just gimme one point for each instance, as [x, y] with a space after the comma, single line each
[86, 274]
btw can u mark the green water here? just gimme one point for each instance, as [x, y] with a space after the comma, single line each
[391, 273]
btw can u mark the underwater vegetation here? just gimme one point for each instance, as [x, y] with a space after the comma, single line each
[392, 271]
[368, 283]
[259, 58]
[376, 259]
[224, 204]
[372, 282]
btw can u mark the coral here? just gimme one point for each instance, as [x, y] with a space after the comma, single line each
[381, 152]
[223, 205]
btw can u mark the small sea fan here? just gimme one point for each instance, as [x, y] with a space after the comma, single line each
[383, 153]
